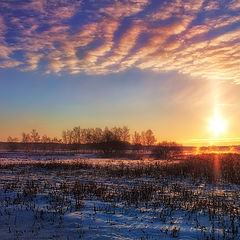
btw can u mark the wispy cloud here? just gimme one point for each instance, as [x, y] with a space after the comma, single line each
[234, 5]
[181, 35]
[9, 63]
[212, 5]
[2, 28]
[126, 8]
[32, 60]
[222, 21]
[196, 30]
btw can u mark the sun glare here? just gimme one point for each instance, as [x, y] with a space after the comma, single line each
[218, 125]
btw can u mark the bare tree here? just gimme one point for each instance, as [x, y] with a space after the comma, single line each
[111, 144]
[45, 139]
[136, 141]
[69, 134]
[64, 137]
[84, 136]
[136, 138]
[125, 134]
[77, 135]
[98, 134]
[35, 137]
[143, 138]
[117, 132]
[89, 135]
[26, 137]
[150, 138]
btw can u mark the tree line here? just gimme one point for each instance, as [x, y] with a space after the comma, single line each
[108, 141]
[79, 135]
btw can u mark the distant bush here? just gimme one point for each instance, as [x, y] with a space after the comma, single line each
[166, 150]
[113, 148]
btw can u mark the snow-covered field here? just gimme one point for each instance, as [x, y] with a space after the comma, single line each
[84, 197]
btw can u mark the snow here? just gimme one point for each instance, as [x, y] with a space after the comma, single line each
[35, 203]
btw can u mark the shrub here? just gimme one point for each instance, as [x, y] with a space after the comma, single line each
[166, 150]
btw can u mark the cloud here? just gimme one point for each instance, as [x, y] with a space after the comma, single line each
[32, 60]
[196, 30]
[125, 44]
[192, 6]
[2, 28]
[234, 5]
[226, 38]
[5, 51]
[35, 5]
[100, 37]
[124, 8]
[212, 5]
[222, 21]
[9, 63]
[167, 10]
[217, 58]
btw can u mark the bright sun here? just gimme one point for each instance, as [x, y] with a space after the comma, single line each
[218, 125]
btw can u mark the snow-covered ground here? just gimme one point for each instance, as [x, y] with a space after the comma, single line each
[48, 202]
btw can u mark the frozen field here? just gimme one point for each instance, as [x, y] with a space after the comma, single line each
[84, 197]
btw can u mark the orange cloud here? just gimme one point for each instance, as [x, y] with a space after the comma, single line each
[9, 63]
[167, 10]
[211, 5]
[36, 5]
[5, 51]
[234, 5]
[32, 61]
[120, 35]
[192, 6]
[108, 29]
[222, 21]
[126, 8]
[126, 43]
[196, 30]
[64, 12]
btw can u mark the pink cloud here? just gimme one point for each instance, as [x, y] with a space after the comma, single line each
[222, 21]
[3, 27]
[227, 37]
[108, 29]
[192, 6]
[64, 12]
[167, 10]
[35, 5]
[9, 63]
[32, 61]
[5, 51]
[196, 30]
[215, 59]
[176, 8]
[163, 40]
[125, 8]
[212, 5]
[234, 5]
[126, 43]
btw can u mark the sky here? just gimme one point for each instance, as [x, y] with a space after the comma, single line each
[172, 66]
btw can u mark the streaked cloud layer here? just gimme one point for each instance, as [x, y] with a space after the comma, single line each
[196, 37]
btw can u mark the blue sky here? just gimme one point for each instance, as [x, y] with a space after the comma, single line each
[166, 65]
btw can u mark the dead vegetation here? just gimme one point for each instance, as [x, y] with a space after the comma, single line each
[190, 187]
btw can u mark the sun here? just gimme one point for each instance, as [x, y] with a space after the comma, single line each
[218, 125]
